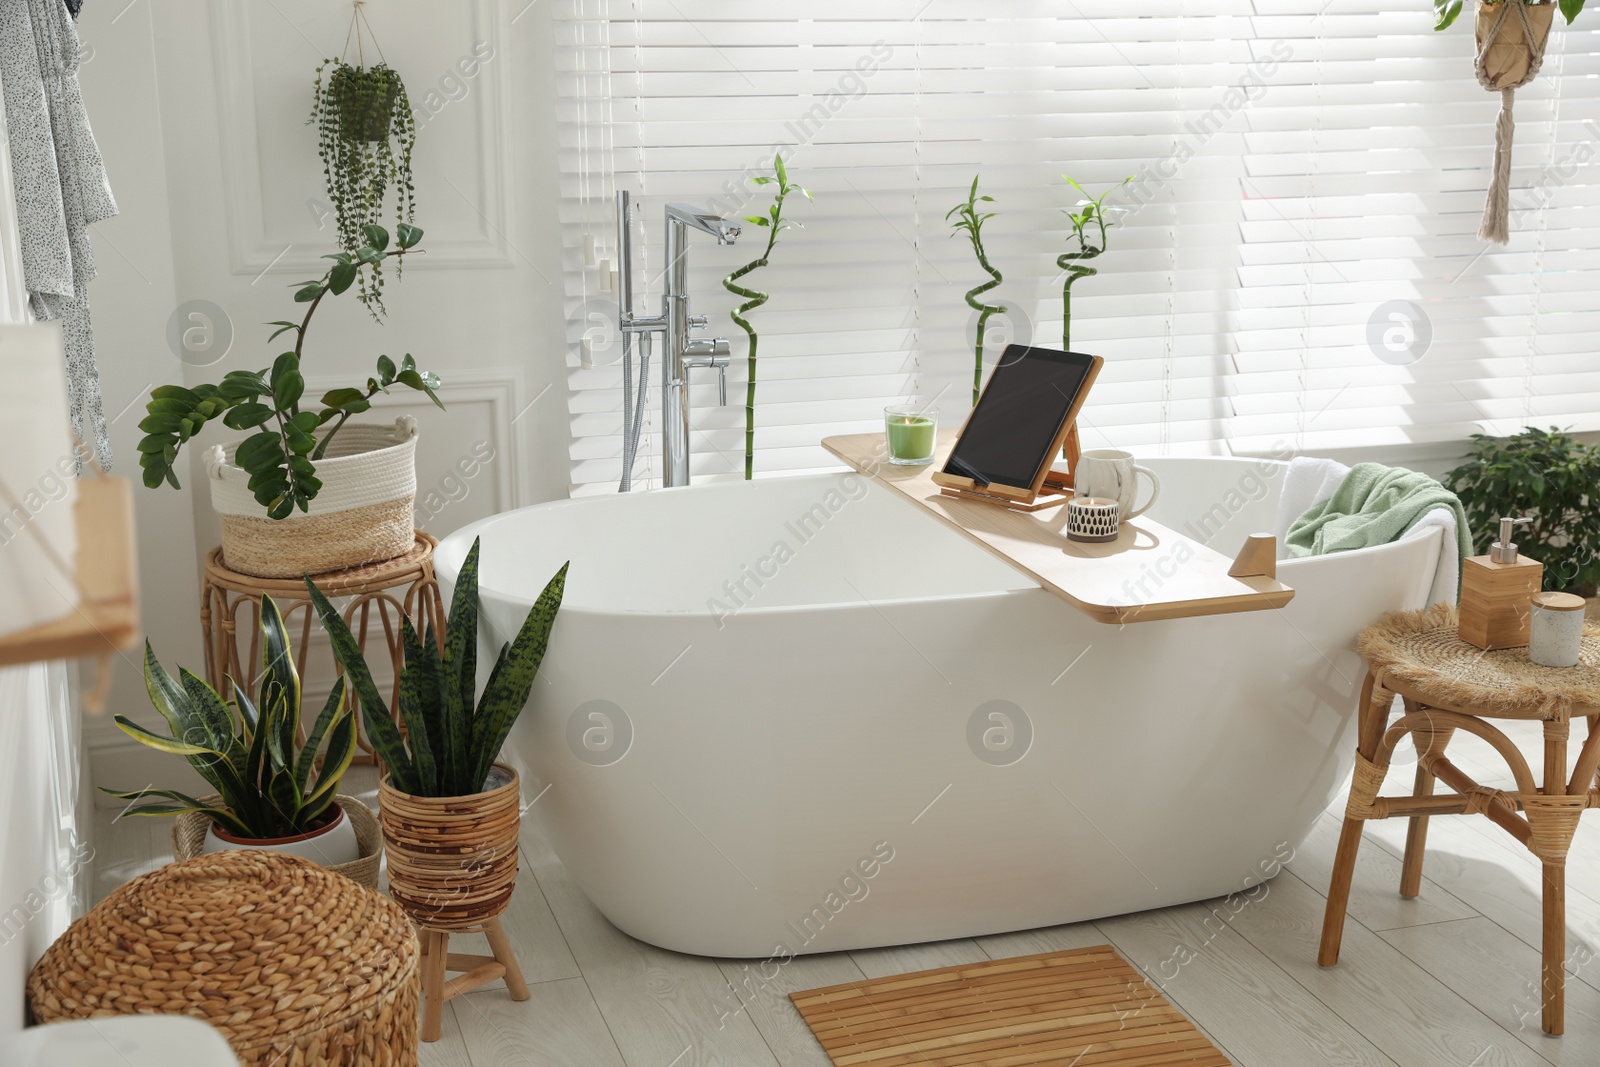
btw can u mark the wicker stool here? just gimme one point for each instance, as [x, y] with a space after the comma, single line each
[293, 965]
[1448, 685]
[224, 592]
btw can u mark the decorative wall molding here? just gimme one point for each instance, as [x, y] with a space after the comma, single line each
[253, 250]
[496, 391]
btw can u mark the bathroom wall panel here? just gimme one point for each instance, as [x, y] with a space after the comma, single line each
[132, 298]
[279, 218]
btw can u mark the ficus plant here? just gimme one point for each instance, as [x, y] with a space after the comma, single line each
[969, 220]
[290, 436]
[451, 739]
[1089, 226]
[366, 133]
[1445, 12]
[774, 223]
[269, 784]
[1553, 479]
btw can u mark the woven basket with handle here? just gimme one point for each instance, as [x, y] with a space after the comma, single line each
[362, 514]
[189, 837]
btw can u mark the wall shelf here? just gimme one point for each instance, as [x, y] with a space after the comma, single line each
[106, 619]
[1148, 573]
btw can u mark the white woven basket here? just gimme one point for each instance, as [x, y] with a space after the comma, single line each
[362, 514]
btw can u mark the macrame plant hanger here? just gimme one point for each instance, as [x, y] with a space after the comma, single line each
[359, 28]
[1510, 52]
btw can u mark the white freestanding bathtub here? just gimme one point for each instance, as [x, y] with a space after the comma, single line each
[798, 715]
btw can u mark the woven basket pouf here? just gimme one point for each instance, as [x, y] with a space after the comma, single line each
[292, 964]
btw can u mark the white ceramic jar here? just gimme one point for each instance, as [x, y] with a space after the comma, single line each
[1555, 631]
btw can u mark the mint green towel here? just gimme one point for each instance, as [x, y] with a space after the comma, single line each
[1373, 506]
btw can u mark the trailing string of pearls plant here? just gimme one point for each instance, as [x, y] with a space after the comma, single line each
[366, 133]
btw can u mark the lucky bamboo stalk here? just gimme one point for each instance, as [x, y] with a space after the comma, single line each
[970, 221]
[774, 223]
[1090, 213]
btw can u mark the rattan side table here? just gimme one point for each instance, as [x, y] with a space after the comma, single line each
[403, 585]
[1447, 685]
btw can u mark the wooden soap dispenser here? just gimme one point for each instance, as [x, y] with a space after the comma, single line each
[1497, 593]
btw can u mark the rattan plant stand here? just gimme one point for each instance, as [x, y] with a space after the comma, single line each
[403, 585]
[292, 964]
[452, 869]
[1447, 685]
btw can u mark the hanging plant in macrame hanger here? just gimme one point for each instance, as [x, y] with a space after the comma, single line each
[1511, 37]
[365, 136]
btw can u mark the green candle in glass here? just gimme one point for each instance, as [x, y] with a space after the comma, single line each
[911, 430]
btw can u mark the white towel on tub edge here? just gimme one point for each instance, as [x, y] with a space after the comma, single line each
[1312, 479]
[1309, 480]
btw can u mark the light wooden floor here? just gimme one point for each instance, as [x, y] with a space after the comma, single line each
[1446, 980]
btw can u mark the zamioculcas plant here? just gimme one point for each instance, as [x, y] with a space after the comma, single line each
[969, 220]
[365, 134]
[774, 223]
[1090, 213]
[281, 456]
[271, 786]
[451, 740]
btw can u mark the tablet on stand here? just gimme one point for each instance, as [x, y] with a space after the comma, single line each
[1026, 416]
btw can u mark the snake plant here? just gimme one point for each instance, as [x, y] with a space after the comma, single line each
[774, 223]
[449, 744]
[270, 786]
[970, 220]
[1090, 213]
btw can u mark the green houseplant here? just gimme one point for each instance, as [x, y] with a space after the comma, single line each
[290, 438]
[271, 790]
[1549, 477]
[774, 223]
[1445, 12]
[1089, 226]
[969, 220]
[366, 133]
[449, 811]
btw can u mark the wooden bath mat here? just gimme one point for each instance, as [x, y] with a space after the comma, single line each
[1086, 1007]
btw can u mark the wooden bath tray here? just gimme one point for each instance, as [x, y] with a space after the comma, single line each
[1148, 573]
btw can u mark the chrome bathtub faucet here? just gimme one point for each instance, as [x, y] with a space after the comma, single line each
[681, 353]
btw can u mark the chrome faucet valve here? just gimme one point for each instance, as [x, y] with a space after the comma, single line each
[710, 352]
[697, 322]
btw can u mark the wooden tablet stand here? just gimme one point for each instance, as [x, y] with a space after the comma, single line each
[1057, 488]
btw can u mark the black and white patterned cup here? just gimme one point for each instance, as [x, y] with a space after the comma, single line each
[1092, 518]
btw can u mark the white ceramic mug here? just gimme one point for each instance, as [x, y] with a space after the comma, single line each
[1112, 473]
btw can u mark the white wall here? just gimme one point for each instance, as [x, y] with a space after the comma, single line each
[200, 107]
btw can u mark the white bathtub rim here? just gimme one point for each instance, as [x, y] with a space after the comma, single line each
[453, 548]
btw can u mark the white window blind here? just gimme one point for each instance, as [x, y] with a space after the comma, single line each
[1308, 179]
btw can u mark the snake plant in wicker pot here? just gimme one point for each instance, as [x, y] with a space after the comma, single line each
[450, 812]
[272, 791]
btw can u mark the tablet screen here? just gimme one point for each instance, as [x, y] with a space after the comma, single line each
[1009, 435]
